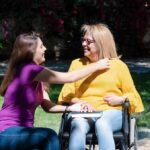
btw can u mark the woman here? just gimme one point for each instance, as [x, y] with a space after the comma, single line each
[102, 91]
[23, 91]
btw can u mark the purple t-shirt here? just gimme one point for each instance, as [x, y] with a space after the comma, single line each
[21, 98]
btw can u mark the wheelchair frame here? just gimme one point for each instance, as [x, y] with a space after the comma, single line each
[125, 139]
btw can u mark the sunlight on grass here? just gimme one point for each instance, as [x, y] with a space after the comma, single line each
[145, 93]
[49, 120]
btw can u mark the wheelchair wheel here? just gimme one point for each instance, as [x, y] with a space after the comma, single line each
[135, 138]
[64, 145]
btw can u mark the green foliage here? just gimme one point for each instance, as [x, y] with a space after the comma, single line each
[58, 19]
[1, 45]
[54, 92]
[3, 50]
[142, 82]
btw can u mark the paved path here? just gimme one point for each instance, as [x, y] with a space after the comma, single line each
[137, 65]
[144, 144]
[143, 139]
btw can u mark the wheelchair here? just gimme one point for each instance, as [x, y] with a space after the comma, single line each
[125, 139]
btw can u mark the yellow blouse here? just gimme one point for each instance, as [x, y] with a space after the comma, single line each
[116, 80]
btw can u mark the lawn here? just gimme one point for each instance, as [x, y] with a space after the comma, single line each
[142, 82]
[52, 120]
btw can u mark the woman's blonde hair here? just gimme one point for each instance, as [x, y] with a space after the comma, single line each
[103, 38]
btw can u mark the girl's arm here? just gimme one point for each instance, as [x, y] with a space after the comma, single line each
[48, 106]
[59, 77]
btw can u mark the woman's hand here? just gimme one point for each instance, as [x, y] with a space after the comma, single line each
[114, 99]
[75, 107]
[85, 107]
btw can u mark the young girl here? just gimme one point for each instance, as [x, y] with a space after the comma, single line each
[23, 92]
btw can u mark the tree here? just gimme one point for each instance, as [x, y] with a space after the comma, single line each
[59, 21]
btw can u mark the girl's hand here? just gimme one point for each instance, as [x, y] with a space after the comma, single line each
[86, 107]
[80, 107]
[75, 107]
[114, 99]
[103, 64]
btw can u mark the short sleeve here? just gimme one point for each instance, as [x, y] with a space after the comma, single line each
[29, 71]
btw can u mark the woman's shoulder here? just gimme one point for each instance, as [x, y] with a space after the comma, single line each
[80, 61]
[118, 62]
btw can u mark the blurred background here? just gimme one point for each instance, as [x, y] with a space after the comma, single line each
[59, 22]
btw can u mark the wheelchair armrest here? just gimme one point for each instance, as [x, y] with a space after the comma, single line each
[126, 118]
[63, 122]
[61, 127]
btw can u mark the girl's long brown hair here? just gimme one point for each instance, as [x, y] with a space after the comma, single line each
[23, 50]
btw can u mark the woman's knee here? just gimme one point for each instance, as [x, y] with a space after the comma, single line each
[102, 124]
[80, 124]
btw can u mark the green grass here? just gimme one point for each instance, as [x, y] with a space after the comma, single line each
[142, 82]
[52, 120]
